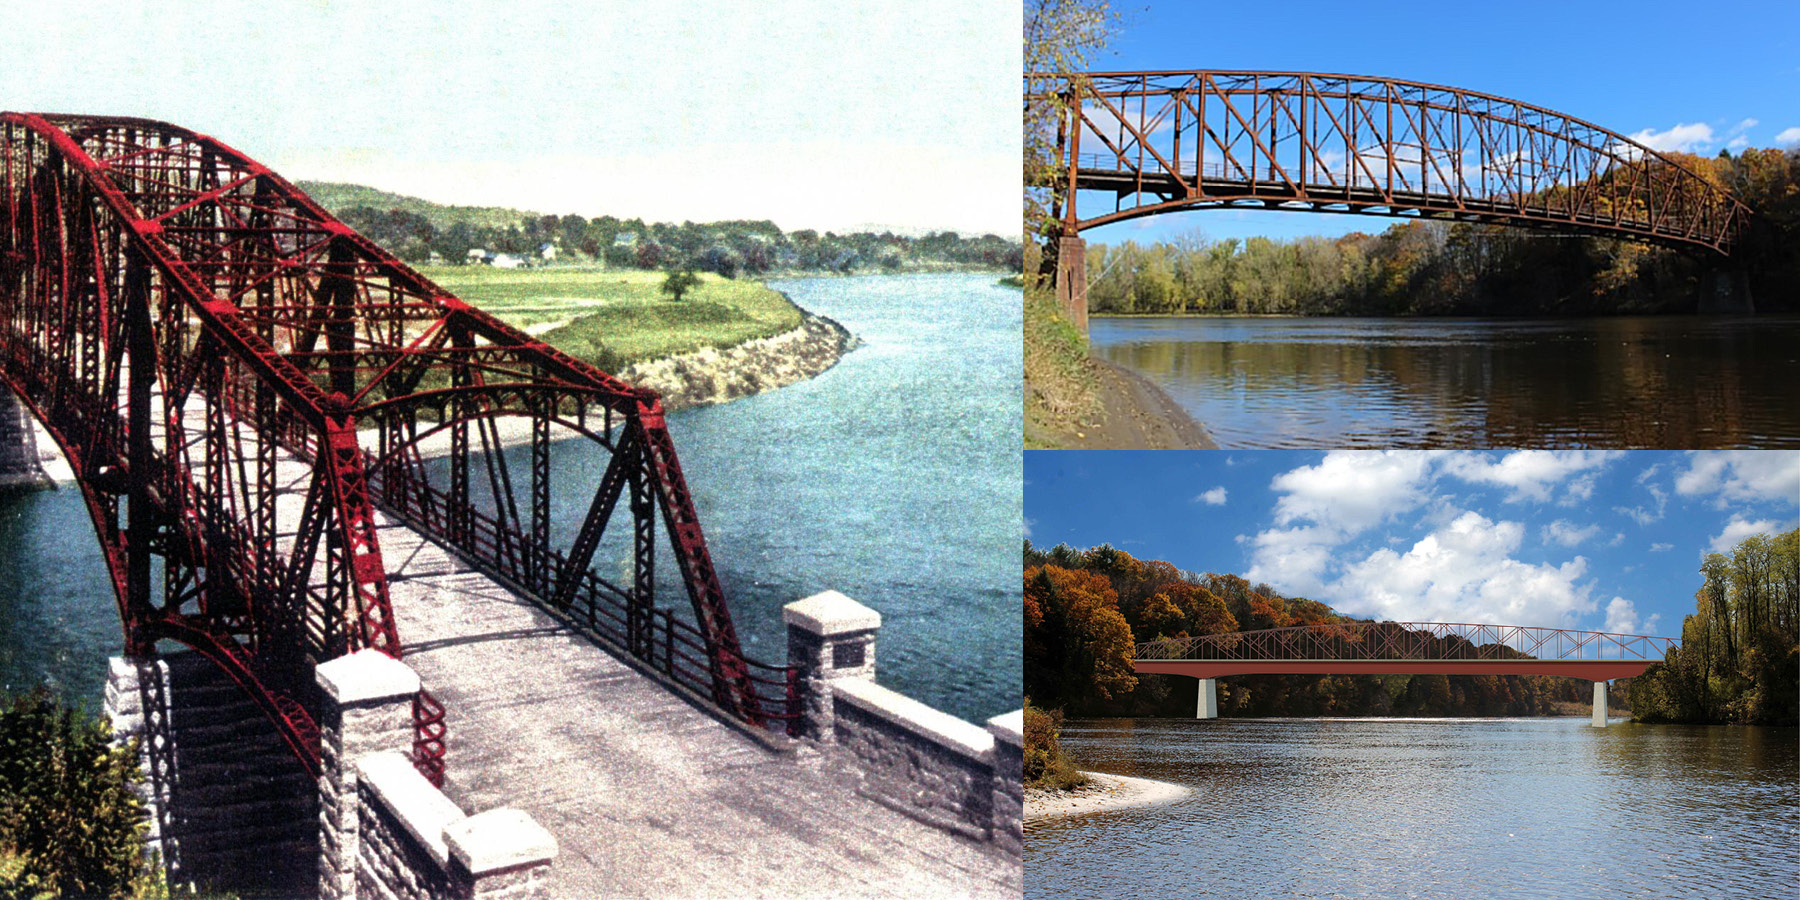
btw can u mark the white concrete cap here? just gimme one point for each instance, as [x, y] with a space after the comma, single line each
[499, 839]
[1008, 727]
[421, 809]
[934, 725]
[830, 613]
[366, 675]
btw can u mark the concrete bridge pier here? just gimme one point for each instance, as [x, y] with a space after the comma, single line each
[1208, 702]
[1599, 704]
[1071, 280]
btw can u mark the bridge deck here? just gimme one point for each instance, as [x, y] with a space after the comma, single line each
[647, 795]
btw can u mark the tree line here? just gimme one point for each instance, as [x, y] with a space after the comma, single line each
[727, 248]
[1739, 659]
[1085, 610]
[1440, 268]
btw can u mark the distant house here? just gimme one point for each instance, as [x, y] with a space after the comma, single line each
[547, 251]
[434, 258]
[505, 261]
[476, 255]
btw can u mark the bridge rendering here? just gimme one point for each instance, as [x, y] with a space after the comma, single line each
[1404, 648]
[1166, 141]
[330, 479]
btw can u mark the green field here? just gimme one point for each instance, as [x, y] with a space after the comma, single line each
[616, 318]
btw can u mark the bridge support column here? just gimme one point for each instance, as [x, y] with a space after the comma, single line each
[1071, 280]
[830, 638]
[1207, 705]
[1599, 704]
[367, 709]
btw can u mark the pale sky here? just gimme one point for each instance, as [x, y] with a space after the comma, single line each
[826, 114]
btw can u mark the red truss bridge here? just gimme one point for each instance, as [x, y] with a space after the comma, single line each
[1160, 142]
[239, 381]
[1406, 648]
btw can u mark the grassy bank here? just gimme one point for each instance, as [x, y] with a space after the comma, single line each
[1060, 387]
[614, 318]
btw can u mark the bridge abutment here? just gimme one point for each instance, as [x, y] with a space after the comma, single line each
[1599, 704]
[20, 464]
[1071, 279]
[230, 808]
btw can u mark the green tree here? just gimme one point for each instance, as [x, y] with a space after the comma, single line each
[678, 282]
[71, 823]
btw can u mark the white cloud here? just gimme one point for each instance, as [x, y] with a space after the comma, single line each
[1294, 559]
[1464, 572]
[1622, 618]
[1744, 126]
[1349, 491]
[1755, 475]
[1788, 136]
[1214, 497]
[1028, 524]
[1739, 528]
[1660, 547]
[1685, 138]
[1738, 143]
[1530, 473]
[1566, 534]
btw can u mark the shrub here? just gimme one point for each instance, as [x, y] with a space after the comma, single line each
[71, 823]
[1046, 765]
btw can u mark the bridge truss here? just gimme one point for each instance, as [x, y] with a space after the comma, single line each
[1166, 141]
[238, 380]
[1406, 647]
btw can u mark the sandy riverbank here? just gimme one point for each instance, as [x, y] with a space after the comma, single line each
[1102, 793]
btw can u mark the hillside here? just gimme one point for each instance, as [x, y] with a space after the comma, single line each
[337, 197]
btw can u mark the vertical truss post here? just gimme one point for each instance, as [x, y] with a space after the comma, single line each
[140, 520]
[643, 589]
[537, 559]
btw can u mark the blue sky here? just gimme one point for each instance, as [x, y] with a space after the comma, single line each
[826, 114]
[1688, 76]
[1604, 540]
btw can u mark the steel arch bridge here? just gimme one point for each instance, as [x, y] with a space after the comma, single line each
[238, 380]
[1406, 648]
[1162, 142]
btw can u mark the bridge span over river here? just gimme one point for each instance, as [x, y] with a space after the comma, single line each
[329, 480]
[1403, 648]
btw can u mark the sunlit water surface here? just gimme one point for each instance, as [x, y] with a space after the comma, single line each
[1678, 382]
[1445, 808]
[894, 478]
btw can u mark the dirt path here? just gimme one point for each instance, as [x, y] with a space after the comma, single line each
[1135, 415]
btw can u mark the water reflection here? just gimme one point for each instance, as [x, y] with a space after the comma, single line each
[1668, 382]
[1431, 808]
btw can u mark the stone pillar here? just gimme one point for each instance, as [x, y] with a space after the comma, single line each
[503, 853]
[1599, 704]
[367, 708]
[830, 638]
[1008, 830]
[136, 706]
[1071, 280]
[1206, 705]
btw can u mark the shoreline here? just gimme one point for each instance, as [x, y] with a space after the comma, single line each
[704, 377]
[1103, 793]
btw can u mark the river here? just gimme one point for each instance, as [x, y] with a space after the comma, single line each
[894, 477]
[1676, 382]
[1450, 808]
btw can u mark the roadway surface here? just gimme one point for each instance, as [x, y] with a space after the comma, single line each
[646, 794]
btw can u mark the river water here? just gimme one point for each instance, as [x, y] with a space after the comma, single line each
[1450, 808]
[894, 477]
[1678, 382]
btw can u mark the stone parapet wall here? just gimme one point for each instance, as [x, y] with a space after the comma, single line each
[933, 764]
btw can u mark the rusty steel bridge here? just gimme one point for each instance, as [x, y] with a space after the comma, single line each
[1160, 142]
[239, 381]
